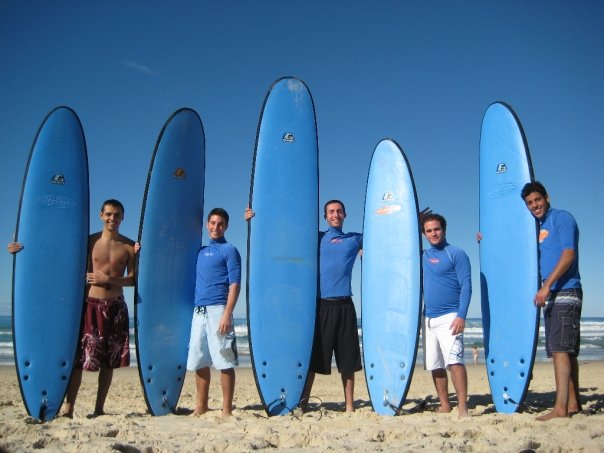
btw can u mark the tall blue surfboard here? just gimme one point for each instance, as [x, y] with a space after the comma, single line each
[49, 273]
[282, 245]
[509, 267]
[170, 237]
[391, 278]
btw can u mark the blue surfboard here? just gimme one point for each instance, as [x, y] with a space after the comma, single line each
[391, 278]
[282, 245]
[170, 237]
[49, 273]
[509, 267]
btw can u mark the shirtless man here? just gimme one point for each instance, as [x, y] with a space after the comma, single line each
[104, 343]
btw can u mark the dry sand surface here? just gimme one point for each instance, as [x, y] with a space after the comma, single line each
[128, 427]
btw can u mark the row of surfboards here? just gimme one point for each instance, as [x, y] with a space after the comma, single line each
[48, 283]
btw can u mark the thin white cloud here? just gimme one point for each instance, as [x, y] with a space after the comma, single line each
[138, 67]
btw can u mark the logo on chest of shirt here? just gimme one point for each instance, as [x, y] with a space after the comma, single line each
[433, 260]
[335, 241]
[543, 233]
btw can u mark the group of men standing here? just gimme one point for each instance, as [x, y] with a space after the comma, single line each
[103, 344]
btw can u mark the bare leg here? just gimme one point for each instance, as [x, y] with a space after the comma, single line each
[72, 393]
[307, 389]
[574, 398]
[441, 383]
[562, 373]
[460, 382]
[202, 382]
[348, 385]
[227, 381]
[105, 378]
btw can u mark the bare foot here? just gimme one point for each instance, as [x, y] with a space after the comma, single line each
[444, 410]
[550, 415]
[227, 414]
[66, 411]
[574, 410]
[199, 411]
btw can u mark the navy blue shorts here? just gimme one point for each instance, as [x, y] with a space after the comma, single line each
[562, 315]
[336, 331]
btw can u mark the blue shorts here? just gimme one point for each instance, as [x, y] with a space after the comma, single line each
[207, 346]
[562, 315]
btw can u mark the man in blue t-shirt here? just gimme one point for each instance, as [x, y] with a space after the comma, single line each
[217, 286]
[560, 294]
[447, 292]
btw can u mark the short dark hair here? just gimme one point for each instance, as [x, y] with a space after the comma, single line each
[531, 187]
[432, 216]
[219, 212]
[331, 202]
[114, 203]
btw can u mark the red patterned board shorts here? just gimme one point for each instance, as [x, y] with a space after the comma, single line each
[104, 339]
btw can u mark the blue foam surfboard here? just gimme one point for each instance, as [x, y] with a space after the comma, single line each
[282, 245]
[391, 278]
[509, 268]
[49, 273]
[170, 237]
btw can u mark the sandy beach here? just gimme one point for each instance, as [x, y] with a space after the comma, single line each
[128, 427]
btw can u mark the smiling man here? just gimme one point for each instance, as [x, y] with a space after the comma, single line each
[336, 330]
[447, 292]
[217, 286]
[103, 344]
[560, 294]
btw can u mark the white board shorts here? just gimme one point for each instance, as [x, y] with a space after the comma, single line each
[442, 349]
[207, 346]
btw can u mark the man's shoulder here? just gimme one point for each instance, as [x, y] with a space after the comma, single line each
[456, 251]
[126, 240]
[561, 215]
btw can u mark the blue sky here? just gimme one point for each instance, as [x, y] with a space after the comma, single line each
[420, 72]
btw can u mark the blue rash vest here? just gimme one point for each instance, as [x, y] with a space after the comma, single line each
[447, 281]
[337, 253]
[558, 232]
[218, 267]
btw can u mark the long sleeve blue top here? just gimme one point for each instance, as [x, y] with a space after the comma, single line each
[447, 281]
[337, 254]
[218, 267]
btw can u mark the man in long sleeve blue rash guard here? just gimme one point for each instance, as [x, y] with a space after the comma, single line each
[560, 294]
[217, 286]
[447, 292]
[336, 329]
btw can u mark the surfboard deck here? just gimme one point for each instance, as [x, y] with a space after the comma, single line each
[509, 267]
[282, 245]
[390, 279]
[170, 237]
[49, 273]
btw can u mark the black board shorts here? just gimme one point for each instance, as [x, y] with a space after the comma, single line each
[336, 331]
[562, 316]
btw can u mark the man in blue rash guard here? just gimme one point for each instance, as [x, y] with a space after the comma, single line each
[217, 286]
[561, 295]
[447, 292]
[336, 327]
